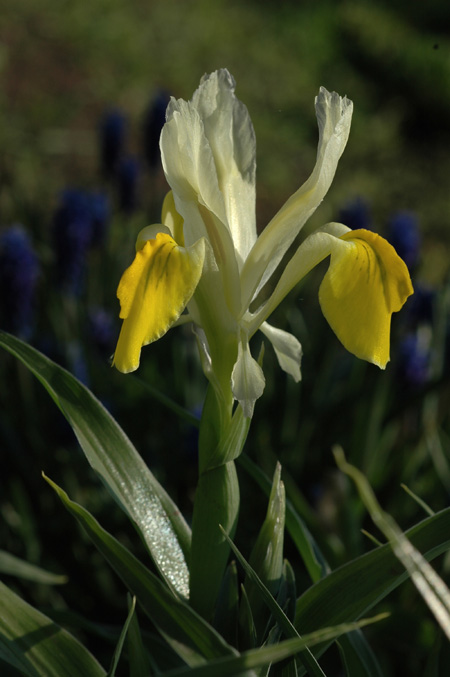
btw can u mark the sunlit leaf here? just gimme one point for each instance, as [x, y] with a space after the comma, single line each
[186, 632]
[310, 553]
[118, 464]
[36, 646]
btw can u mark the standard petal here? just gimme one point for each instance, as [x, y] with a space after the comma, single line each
[153, 293]
[366, 282]
[287, 349]
[190, 170]
[231, 136]
[334, 115]
[247, 378]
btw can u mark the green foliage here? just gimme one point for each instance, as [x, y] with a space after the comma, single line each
[117, 463]
[338, 599]
[35, 645]
[62, 64]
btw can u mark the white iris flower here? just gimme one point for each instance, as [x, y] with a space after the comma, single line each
[206, 256]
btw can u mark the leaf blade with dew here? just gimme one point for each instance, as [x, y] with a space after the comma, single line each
[189, 635]
[118, 464]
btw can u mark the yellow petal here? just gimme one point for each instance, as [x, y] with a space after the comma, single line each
[366, 282]
[153, 293]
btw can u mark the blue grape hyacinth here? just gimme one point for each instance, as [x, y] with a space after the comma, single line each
[403, 234]
[72, 236]
[19, 272]
[356, 214]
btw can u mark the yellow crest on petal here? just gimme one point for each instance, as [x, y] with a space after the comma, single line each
[366, 282]
[153, 293]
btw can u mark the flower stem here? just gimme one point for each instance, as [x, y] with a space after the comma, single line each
[216, 502]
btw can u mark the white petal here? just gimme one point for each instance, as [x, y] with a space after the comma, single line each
[247, 378]
[312, 251]
[189, 164]
[287, 349]
[191, 173]
[231, 136]
[334, 117]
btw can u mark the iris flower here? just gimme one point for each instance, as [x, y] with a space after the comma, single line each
[206, 264]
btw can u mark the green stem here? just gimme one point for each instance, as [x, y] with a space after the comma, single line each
[216, 503]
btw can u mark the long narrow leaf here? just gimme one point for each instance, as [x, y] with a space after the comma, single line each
[188, 634]
[314, 560]
[120, 643]
[36, 646]
[432, 588]
[118, 464]
[310, 553]
[234, 666]
[139, 660]
[277, 612]
[357, 656]
[352, 590]
[9, 564]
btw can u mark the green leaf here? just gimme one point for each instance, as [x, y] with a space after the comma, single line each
[353, 589]
[357, 656]
[266, 557]
[283, 621]
[247, 630]
[140, 665]
[120, 643]
[306, 546]
[227, 607]
[118, 464]
[36, 646]
[314, 560]
[432, 588]
[287, 595]
[232, 666]
[13, 566]
[187, 633]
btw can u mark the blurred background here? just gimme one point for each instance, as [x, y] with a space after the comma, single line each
[84, 88]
